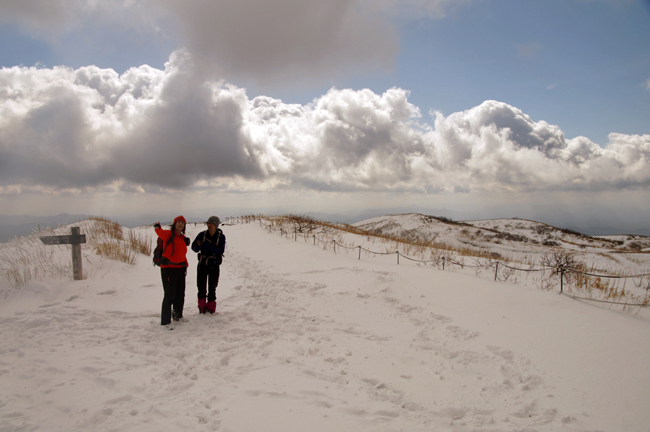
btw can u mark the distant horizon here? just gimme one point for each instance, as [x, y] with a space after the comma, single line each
[23, 227]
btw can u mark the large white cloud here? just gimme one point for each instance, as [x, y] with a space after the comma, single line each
[147, 128]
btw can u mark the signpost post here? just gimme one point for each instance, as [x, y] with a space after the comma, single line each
[75, 239]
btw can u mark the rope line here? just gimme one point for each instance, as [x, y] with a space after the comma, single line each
[378, 253]
[344, 247]
[605, 276]
[524, 270]
[605, 301]
[416, 260]
[498, 264]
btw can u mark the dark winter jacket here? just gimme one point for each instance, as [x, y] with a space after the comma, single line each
[210, 247]
[176, 252]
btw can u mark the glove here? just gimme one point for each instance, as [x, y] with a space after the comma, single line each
[187, 241]
[156, 225]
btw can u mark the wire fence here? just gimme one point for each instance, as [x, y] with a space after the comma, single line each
[446, 262]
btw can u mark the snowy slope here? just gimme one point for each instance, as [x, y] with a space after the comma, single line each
[515, 232]
[306, 339]
[517, 238]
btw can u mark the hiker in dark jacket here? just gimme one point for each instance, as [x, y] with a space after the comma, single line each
[173, 269]
[210, 245]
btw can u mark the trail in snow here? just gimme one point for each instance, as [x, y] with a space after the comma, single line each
[308, 340]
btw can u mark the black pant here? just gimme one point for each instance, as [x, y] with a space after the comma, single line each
[207, 276]
[173, 280]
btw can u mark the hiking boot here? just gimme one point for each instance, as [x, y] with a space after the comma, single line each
[202, 306]
[212, 307]
[177, 317]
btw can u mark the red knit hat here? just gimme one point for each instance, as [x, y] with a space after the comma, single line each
[180, 218]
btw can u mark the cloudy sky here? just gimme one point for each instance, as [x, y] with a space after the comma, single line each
[461, 108]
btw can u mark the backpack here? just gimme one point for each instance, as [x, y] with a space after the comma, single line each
[158, 258]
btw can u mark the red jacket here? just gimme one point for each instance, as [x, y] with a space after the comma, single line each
[176, 251]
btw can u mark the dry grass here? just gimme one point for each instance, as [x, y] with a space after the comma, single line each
[102, 227]
[30, 261]
[118, 251]
[107, 238]
[483, 261]
[609, 290]
[139, 244]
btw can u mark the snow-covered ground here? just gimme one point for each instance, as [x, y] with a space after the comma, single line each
[520, 239]
[309, 340]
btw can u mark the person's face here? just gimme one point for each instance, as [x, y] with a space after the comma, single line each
[179, 225]
[212, 227]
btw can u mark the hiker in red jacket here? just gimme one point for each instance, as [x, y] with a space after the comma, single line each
[173, 269]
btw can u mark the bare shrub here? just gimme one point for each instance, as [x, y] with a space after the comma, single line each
[302, 223]
[560, 259]
[502, 235]
[635, 246]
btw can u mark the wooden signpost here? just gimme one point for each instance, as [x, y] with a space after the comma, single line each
[75, 239]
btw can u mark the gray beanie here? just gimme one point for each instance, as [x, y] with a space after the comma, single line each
[215, 220]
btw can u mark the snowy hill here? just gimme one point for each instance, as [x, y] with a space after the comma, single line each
[309, 339]
[499, 231]
[517, 238]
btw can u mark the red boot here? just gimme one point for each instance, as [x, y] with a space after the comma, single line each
[212, 306]
[202, 305]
